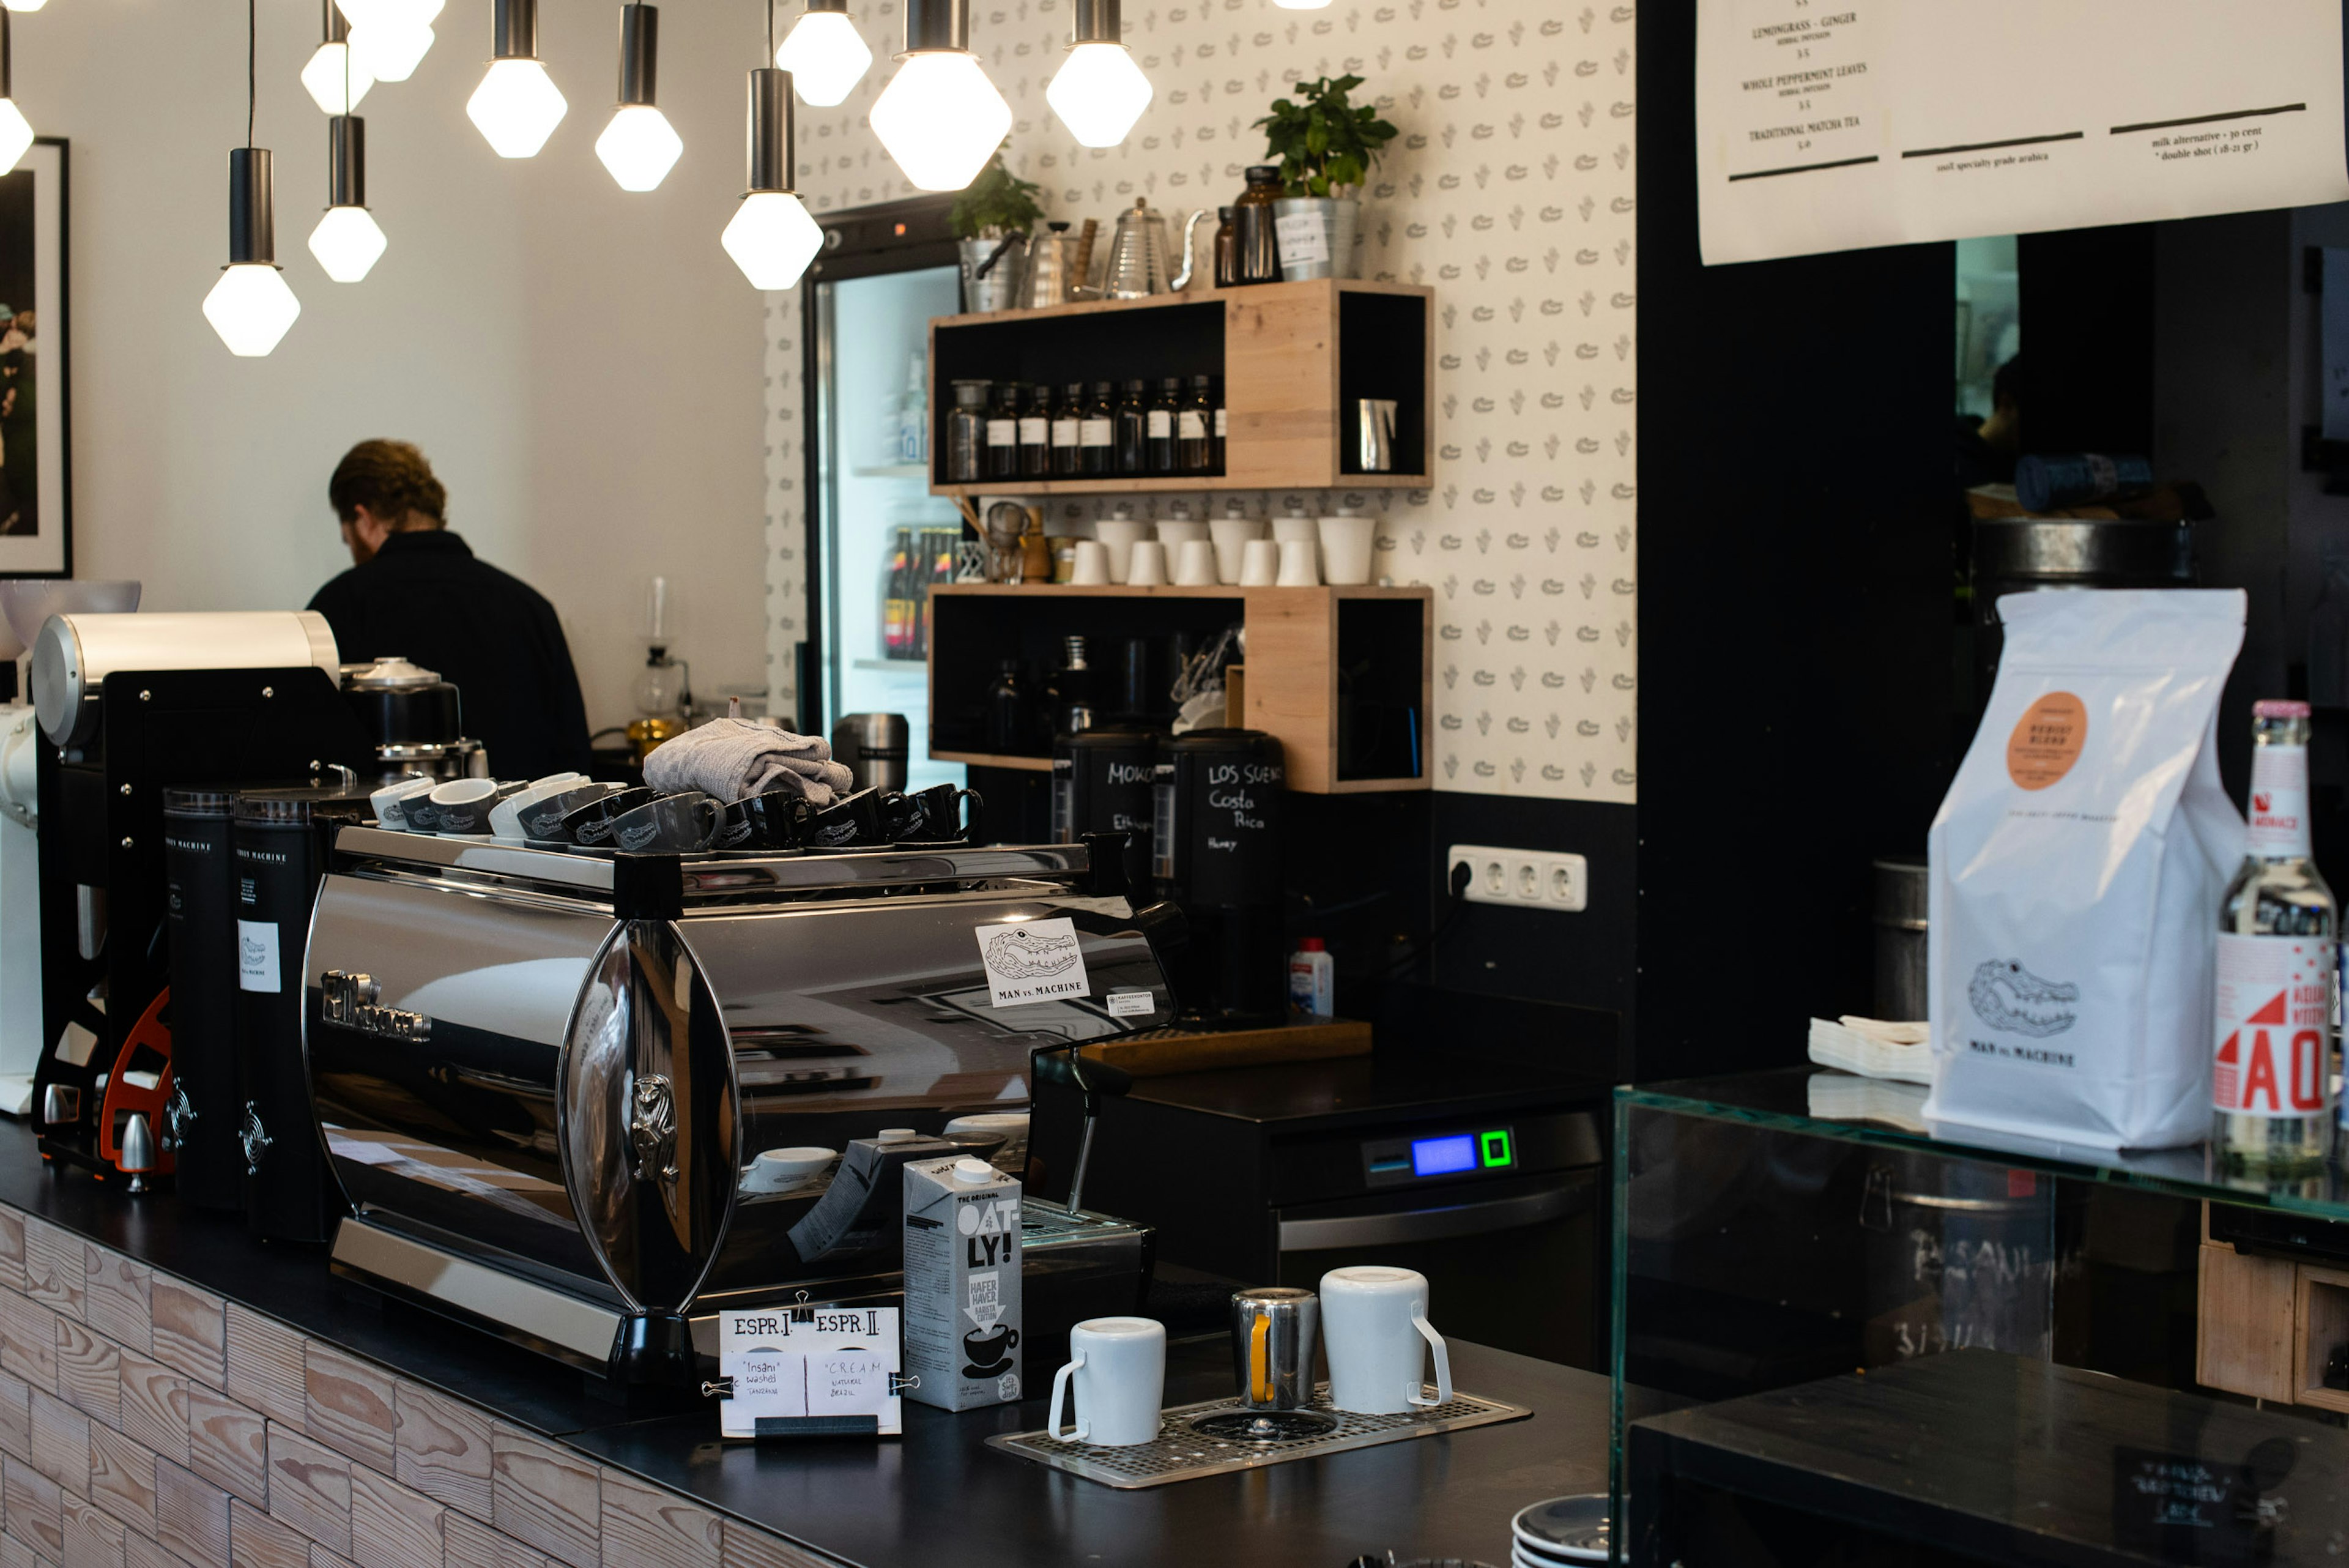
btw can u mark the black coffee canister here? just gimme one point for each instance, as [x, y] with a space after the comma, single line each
[1216, 842]
[1107, 787]
[282, 837]
[199, 917]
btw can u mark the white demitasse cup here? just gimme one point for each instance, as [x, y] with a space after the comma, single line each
[1259, 564]
[1194, 565]
[1091, 564]
[1146, 567]
[1119, 536]
[391, 799]
[1373, 1320]
[1346, 544]
[1117, 1373]
[1231, 536]
[1176, 531]
[506, 818]
[1296, 563]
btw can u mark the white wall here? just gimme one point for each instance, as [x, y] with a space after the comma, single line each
[1511, 192]
[583, 365]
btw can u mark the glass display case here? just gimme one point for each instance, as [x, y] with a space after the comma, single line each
[1840, 1337]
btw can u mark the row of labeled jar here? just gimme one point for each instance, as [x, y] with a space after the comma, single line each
[1012, 429]
[1299, 553]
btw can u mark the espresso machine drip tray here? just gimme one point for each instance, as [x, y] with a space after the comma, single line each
[1225, 1434]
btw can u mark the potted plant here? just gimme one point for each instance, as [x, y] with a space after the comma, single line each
[1326, 146]
[994, 213]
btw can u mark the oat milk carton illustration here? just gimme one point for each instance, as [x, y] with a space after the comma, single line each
[962, 1283]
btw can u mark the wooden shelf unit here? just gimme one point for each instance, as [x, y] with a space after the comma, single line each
[1296, 638]
[1294, 357]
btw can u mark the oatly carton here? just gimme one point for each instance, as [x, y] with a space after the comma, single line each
[962, 1283]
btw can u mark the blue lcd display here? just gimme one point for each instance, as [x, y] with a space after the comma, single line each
[1442, 1156]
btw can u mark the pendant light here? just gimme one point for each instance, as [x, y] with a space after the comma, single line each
[1302, 4]
[16, 135]
[391, 37]
[25, 4]
[517, 106]
[1099, 91]
[639, 147]
[250, 307]
[772, 237]
[825, 54]
[347, 241]
[334, 80]
[939, 117]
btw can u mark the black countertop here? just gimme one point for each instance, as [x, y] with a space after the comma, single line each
[1342, 1091]
[938, 1495]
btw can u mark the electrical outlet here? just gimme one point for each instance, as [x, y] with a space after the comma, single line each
[1526, 878]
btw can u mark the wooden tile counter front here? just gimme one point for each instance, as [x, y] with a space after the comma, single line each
[146, 1423]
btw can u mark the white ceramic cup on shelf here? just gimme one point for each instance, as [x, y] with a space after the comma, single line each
[506, 818]
[1119, 535]
[1259, 564]
[1117, 1374]
[1092, 569]
[1305, 530]
[1176, 532]
[1231, 535]
[1374, 1321]
[1346, 548]
[1296, 563]
[1194, 565]
[1146, 568]
[390, 802]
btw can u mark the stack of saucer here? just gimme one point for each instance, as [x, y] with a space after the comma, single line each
[1561, 1533]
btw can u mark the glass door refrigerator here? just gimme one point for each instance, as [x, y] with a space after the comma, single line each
[877, 539]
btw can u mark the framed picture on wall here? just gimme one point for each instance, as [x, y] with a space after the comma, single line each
[35, 480]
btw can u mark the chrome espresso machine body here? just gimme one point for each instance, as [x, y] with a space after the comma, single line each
[544, 1078]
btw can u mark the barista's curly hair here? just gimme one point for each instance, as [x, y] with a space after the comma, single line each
[389, 478]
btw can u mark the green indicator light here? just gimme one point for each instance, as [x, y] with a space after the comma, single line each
[1496, 1149]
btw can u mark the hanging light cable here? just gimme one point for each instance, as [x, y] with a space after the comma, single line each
[251, 308]
[335, 82]
[1099, 91]
[517, 106]
[347, 241]
[639, 147]
[16, 134]
[772, 237]
[824, 53]
[939, 117]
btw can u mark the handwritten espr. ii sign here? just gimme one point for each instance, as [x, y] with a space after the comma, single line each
[1033, 961]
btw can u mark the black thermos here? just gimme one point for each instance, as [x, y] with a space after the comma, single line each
[1216, 839]
[1103, 783]
[200, 914]
[282, 838]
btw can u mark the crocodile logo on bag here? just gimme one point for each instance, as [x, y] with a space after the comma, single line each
[2005, 995]
[1024, 955]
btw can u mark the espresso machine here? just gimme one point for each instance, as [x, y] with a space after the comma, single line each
[587, 1100]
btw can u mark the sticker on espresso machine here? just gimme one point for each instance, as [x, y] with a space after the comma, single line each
[1033, 961]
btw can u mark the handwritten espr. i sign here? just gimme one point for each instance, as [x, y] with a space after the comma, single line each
[1033, 961]
[791, 1367]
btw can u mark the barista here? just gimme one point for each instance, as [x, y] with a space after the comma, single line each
[416, 590]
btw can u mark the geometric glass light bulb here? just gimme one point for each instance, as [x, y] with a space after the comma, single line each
[639, 147]
[251, 308]
[825, 55]
[516, 107]
[391, 48]
[328, 72]
[16, 136]
[27, 4]
[1301, 5]
[941, 119]
[1099, 93]
[772, 238]
[347, 242]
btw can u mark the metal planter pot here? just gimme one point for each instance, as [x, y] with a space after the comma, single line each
[1318, 236]
[999, 289]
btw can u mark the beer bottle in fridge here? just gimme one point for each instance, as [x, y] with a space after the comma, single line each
[2271, 1081]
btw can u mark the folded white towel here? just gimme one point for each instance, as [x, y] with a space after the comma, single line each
[733, 759]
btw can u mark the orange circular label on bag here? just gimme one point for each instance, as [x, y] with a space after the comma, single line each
[2047, 740]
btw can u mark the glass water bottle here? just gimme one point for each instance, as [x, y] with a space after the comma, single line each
[2272, 1079]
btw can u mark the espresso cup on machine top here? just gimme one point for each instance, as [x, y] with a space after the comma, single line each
[1374, 1321]
[1116, 1372]
[776, 820]
[852, 821]
[1273, 1330]
[589, 826]
[673, 825]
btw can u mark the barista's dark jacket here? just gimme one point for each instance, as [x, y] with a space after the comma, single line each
[425, 597]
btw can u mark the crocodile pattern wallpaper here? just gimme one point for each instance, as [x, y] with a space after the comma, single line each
[1510, 192]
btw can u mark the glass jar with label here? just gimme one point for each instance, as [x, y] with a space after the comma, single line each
[1068, 431]
[1036, 433]
[1132, 428]
[1195, 422]
[1159, 425]
[967, 433]
[1097, 434]
[1220, 461]
[1003, 430]
[1255, 237]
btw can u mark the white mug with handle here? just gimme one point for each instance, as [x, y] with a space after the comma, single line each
[1373, 1320]
[1117, 1374]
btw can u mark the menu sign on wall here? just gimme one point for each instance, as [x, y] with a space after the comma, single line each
[1828, 125]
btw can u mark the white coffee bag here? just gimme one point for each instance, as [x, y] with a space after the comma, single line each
[2077, 865]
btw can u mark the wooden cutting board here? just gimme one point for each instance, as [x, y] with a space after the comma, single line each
[1156, 1053]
